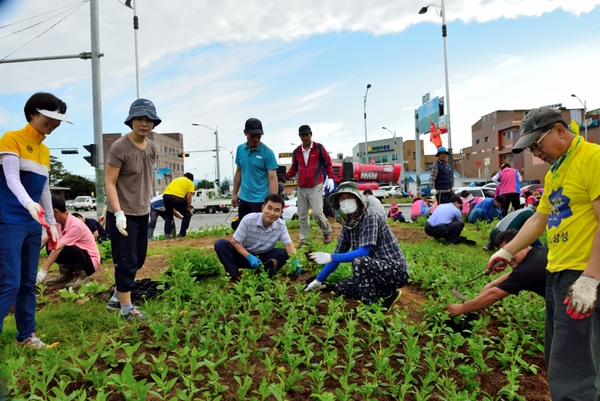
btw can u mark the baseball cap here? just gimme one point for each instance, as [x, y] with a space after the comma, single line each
[142, 107]
[253, 127]
[533, 123]
[304, 129]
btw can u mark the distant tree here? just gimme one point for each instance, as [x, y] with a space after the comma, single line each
[225, 185]
[205, 184]
[57, 170]
[79, 186]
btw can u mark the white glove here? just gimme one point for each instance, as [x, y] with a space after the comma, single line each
[314, 284]
[34, 209]
[499, 260]
[121, 222]
[434, 192]
[54, 232]
[581, 297]
[321, 258]
[329, 184]
[41, 276]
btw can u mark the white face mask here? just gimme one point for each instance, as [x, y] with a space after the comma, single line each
[348, 206]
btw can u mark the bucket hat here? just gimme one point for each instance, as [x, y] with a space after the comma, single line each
[142, 107]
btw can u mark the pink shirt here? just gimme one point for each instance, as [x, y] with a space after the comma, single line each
[76, 233]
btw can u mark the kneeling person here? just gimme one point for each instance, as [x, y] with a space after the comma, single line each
[529, 273]
[76, 252]
[446, 221]
[379, 268]
[254, 241]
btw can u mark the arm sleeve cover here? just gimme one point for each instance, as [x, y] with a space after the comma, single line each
[10, 164]
[338, 258]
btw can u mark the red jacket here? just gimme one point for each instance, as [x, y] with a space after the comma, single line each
[310, 174]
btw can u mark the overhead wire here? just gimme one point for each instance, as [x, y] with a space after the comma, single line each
[75, 8]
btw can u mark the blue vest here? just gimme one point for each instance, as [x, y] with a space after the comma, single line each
[444, 177]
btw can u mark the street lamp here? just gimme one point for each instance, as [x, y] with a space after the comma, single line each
[395, 144]
[441, 10]
[365, 112]
[206, 178]
[232, 165]
[136, 26]
[216, 132]
[584, 104]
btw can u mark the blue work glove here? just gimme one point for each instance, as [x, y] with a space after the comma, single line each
[254, 261]
[296, 264]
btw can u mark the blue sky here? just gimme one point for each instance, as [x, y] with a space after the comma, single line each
[293, 63]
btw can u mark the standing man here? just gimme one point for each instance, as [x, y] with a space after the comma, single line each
[178, 196]
[509, 186]
[374, 204]
[440, 180]
[256, 172]
[129, 176]
[308, 159]
[570, 210]
[76, 252]
[446, 222]
[254, 241]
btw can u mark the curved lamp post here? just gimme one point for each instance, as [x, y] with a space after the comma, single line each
[365, 113]
[584, 104]
[441, 10]
[216, 132]
[395, 144]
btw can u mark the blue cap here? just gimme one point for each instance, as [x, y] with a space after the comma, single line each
[441, 149]
[142, 107]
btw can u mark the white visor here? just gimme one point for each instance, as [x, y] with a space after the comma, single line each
[55, 115]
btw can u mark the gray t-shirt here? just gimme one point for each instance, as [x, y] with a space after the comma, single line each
[376, 206]
[134, 185]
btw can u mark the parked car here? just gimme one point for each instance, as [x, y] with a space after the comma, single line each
[392, 190]
[83, 203]
[532, 188]
[491, 185]
[290, 211]
[476, 191]
[69, 204]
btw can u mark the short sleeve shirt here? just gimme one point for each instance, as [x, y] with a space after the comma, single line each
[530, 274]
[257, 239]
[179, 187]
[134, 185]
[255, 165]
[76, 233]
[372, 231]
[569, 191]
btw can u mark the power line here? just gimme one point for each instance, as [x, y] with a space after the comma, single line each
[58, 22]
[39, 15]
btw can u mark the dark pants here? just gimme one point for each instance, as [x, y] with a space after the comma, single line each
[154, 214]
[233, 261]
[372, 279]
[19, 258]
[327, 210]
[511, 199]
[443, 197]
[74, 258]
[245, 208]
[128, 253]
[450, 232]
[572, 346]
[181, 205]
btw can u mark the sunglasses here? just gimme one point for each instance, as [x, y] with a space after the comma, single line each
[536, 144]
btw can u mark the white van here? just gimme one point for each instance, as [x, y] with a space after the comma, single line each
[83, 203]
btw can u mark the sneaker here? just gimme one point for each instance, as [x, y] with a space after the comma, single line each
[79, 278]
[133, 314]
[327, 239]
[32, 342]
[113, 304]
[64, 276]
[391, 299]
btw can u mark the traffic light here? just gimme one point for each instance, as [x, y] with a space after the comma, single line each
[69, 151]
[93, 157]
[184, 155]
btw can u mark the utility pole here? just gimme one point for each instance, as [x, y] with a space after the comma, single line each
[97, 106]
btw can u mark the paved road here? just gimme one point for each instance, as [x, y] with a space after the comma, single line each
[199, 220]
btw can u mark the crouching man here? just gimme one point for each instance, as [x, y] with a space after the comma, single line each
[254, 241]
[76, 253]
